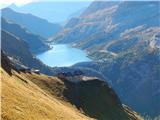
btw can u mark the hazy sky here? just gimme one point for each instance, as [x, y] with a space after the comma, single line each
[4, 3]
[21, 2]
[18, 2]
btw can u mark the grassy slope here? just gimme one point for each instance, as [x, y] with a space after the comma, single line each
[22, 99]
[95, 98]
[41, 97]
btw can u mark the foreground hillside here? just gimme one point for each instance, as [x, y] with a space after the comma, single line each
[22, 99]
[37, 96]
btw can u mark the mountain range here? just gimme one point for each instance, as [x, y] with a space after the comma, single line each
[124, 42]
[35, 43]
[53, 11]
[33, 23]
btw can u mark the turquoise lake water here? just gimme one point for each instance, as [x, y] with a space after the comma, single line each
[62, 55]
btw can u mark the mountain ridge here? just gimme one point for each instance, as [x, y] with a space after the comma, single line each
[33, 23]
[36, 43]
[50, 9]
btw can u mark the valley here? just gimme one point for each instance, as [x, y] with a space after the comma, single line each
[99, 60]
[118, 37]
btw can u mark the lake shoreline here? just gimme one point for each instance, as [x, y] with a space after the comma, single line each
[63, 55]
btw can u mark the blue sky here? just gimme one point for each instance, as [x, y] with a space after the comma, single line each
[22, 2]
[5, 3]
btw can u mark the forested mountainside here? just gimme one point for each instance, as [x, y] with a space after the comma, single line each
[33, 23]
[125, 43]
[24, 96]
[20, 54]
[35, 43]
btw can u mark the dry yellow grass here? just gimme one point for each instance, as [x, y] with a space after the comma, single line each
[24, 100]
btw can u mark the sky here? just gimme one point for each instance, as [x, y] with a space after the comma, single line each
[18, 2]
[4, 3]
[22, 2]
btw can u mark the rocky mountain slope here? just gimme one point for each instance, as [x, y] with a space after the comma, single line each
[24, 96]
[124, 41]
[108, 20]
[135, 79]
[34, 24]
[35, 43]
[19, 52]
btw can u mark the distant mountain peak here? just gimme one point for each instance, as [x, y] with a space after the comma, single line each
[13, 6]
